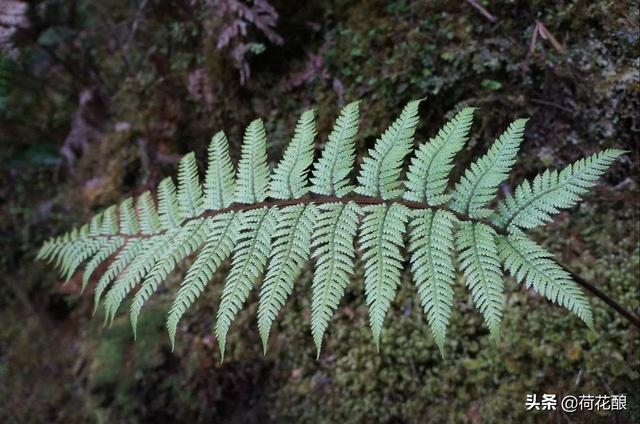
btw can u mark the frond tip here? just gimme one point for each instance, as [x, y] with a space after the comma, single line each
[269, 225]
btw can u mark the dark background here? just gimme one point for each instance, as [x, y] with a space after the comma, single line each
[99, 100]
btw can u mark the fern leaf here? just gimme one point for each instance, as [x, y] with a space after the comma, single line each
[291, 248]
[109, 221]
[221, 232]
[380, 240]
[184, 243]
[253, 247]
[168, 210]
[380, 171]
[190, 199]
[534, 203]
[128, 218]
[253, 171]
[61, 249]
[331, 171]
[105, 252]
[78, 252]
[46, 249]
[529, 263]
[143, 242]
[479, 184]
[289, 180]
[147, 214]
[478, 260]
[432, 248]
[333, 236]
[135, 272]
[127, 254]
[95, 225]
[219, 184]
[428, 173]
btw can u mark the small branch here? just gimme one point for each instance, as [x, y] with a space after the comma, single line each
[361, 200]
[547, 103]
[482, 10]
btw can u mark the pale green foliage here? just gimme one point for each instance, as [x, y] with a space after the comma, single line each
[185, 242]
[289, 180]
[380, 171]
[218, 184]
[478, 260]
[190, 201]
[428, 173]
[122, 260]
[253, 247]
[534, 203]
[480, 181]
[432, 248]
[380, 239]
[149, 220]
[106, 251]
[271, 226]
[331, 171]
[253, 170]
[152, 251]
[333, 244]
[220, 235]
[168, 210]
[291, 247]
[128, 219]
[529, 263]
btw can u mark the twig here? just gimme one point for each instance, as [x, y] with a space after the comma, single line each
[540, 29]
[547, 103]
[482, 10]
[134, 25]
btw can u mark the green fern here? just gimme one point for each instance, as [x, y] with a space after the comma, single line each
[272, 223]
[432, 248]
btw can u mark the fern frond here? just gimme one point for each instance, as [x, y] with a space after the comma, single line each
[126, 255]
[184, 243]
[147, 214]
[380, 171]
[249, 259]
[128, 218]
[109, 221]
[429, 170]
[380, 239]
[219, 185]
[530, 264]
[432, 251]
[190, 199]
[478, 260]
[76, 253]
[168, 210]
[331, 171]
[253, 172]
[336, 227]
[221, 233]
[291, 247]
[271, 226]
[105, 252]
[153, 250]
[479, 184]
[289, 180]
[534, 203]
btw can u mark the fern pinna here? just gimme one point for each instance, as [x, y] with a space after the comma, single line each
[270, 224]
